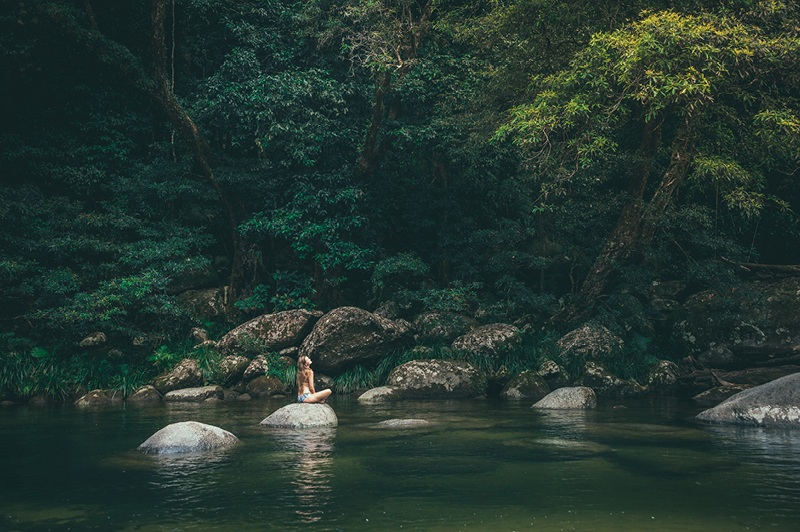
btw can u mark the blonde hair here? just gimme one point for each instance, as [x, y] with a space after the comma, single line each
[303, 371]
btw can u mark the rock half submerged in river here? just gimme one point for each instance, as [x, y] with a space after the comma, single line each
[302, 416]
[381, 394]
[186, 437]
[568, 398]
[402, 423]
[775, 404]
[194, 395]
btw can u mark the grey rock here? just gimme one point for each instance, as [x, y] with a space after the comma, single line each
[231, 369]
[774, 404]
[185, 375]
[663, 376]
[526, 385]
[757, 321]
[94, 340]
[443, 327]
[99, 397]
[719, 356]
[555, 376]
[256, 368]
[347, 336]
[381, 394]
[266, 387]
[145, 394]
[302, 416]
[388, 310]
[187, 436]
[206, 304]
[489, 340]
[588, 342]
[199, 335]
[437, 378]
[606, 384]
[401, 423]
[568, 398]
[716, 395]
[194, 395]
[272, 331]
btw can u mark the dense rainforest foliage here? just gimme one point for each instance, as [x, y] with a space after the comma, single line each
[528, 160]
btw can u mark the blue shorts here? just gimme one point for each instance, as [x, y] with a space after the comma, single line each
[301, 398]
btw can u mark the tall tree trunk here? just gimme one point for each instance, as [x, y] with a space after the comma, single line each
[203, 154]
[623, 238]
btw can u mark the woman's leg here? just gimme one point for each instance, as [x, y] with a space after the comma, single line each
[318, 397]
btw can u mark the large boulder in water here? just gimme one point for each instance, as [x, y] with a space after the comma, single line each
[187, 436]
[302, 416]
[489, 340]
[443, 327]
[272, 331]
[185, 375]
[579, 397]
[775, 404]
[438, 378]
[526, 385]
[347, 336]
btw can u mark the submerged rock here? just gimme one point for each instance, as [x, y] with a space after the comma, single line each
[302, 416]
[568, 398]
[145, 394]
[381, 394]
[402, 423]
[438, 378]
[775, 404]
[194, 395]
[187, 436]
[526, 385]
[99, 397]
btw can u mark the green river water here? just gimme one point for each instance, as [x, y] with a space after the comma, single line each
[481, 465]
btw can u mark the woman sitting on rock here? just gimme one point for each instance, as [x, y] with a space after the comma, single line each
[305, 383]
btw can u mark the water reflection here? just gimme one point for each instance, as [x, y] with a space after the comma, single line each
[311, 463]
[185, 479]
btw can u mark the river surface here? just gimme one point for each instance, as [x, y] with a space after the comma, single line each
[480, 465]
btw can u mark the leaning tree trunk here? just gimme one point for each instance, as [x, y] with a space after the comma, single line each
[635, 225]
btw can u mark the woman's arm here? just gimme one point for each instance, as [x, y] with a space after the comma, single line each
[311, 381]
